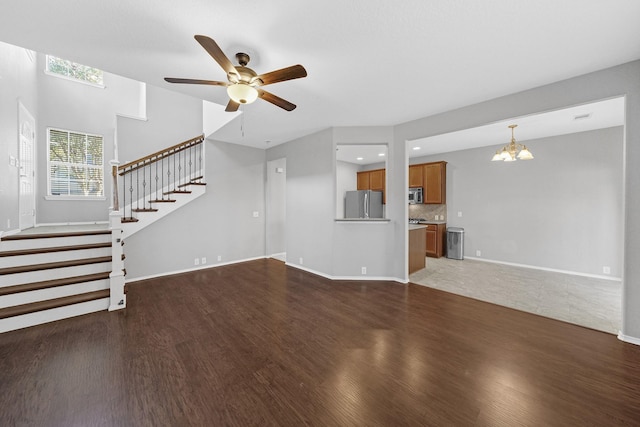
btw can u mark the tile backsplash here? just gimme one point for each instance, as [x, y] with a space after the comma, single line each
[428, 212]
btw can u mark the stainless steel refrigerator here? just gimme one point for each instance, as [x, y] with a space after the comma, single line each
[363, 204]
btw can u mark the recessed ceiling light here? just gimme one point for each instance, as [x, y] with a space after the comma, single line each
[416, 148]
[359, 158]
[380, 154]
[582, 116]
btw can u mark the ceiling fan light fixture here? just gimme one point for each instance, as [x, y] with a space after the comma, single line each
[242, 93]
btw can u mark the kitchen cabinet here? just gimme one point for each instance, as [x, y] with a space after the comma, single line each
[434, 187]
[416, 248]
[415, 176]
[373, 180]
[435, 240]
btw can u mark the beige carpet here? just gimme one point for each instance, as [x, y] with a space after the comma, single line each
[594, 303]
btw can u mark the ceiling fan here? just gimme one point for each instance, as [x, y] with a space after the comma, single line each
[244, 85]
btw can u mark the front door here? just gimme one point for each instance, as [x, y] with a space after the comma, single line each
[27, 135]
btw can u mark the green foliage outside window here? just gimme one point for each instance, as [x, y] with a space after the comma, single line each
[75, 164]
[74, 70]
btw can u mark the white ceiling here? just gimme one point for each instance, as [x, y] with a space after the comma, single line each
[369, 62]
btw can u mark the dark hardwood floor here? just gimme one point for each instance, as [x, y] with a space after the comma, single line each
[261, 344]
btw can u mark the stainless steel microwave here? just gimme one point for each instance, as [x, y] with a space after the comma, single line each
[415, 195]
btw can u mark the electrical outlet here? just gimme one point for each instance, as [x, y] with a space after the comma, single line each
[196, 261]
[9, 223]
[256, 214]
[203, 260]
[219, 257]
[436, 217]
[606, 269]
[301, 261]
[364, 270]
[478, 253]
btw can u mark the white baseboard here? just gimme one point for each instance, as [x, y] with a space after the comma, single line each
[354, 278]
[627, 338]
[553, 270]
[9, 232]
[187, 270]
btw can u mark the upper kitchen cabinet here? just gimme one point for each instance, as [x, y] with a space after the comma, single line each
[415, 176]
[372, 180]
[434, 187]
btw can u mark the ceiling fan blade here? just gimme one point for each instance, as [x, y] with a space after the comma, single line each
[232, 106]
[276, 100]
[195, 82]
[289, 73]
[216, 53]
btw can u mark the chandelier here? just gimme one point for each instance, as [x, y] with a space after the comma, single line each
[512, 151]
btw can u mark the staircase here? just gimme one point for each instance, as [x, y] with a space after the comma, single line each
[158, 184]
[53, 274]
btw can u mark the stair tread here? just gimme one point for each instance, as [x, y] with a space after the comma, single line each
[18, 310]
[191, 183]
[162, 201]
[51, 235]
[178, 192]
[35, 286]
[144, 210]
[55, 249]
[130, 219]
[50, 265]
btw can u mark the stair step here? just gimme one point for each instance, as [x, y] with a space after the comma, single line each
[54, 249]
[53, 283]
[162, 201]
[19, 310]
[50, 265]
[128, 219]
[192, 183]
[177, 192]
[52, 235]
[144, 210]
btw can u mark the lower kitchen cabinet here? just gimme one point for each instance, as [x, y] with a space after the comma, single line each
[435, 240]
[416, 249]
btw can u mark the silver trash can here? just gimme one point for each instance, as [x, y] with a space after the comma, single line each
[455, 243]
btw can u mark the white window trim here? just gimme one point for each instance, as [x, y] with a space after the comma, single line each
[50, 196]
[71, 79]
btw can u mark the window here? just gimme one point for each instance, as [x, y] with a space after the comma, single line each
[73, 70]
[75, 164]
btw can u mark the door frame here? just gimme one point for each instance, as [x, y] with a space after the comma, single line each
[24, 113]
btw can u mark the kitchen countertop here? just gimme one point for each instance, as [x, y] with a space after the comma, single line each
[432, 222]
[416, 226]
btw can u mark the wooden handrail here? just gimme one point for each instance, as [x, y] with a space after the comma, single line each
[161, 154]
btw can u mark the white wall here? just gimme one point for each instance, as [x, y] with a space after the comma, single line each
[18, 81]
[276, 207]
[71, 105]
[220, 223]
[310, 199]
[562, 210]
[346, 180]
[330, 248]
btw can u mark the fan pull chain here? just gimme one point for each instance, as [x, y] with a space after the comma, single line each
[242, 123]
